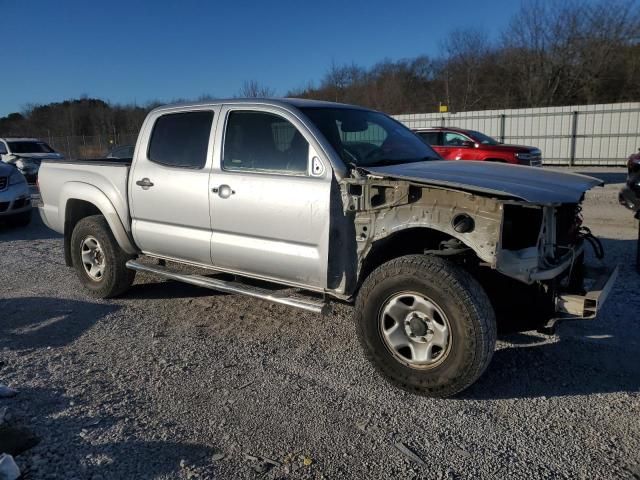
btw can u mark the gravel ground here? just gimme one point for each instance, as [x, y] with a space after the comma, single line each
[173, 381]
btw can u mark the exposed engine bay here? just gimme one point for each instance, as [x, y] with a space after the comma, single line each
[523, 241]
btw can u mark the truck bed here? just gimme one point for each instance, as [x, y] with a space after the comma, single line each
[60, 180]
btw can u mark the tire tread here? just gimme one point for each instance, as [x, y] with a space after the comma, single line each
[120, 277]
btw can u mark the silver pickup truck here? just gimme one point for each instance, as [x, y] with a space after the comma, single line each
[328, 201]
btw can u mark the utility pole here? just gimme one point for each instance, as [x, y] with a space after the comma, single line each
[574, 136]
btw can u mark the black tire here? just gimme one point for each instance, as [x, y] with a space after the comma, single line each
[116, 277]
[465, 305]
[21, 219]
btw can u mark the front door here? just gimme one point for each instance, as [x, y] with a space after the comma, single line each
[455, 146]
[270, 198]
[169, 185]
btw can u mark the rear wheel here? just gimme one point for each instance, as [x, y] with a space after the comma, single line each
[98, 260]
[426, 325]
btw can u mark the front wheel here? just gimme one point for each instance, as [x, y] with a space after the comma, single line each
[426, 325]
[99, 261]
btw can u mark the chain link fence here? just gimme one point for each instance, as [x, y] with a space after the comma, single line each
[90, 146]
[596, 135]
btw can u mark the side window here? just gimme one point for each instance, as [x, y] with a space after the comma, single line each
[3, 148]
[430, 137]
[181, 139]
[454, 139]
[264, 142]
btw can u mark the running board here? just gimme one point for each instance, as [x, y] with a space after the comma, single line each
[315, 306]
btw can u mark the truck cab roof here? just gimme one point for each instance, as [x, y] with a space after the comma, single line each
[276, 102]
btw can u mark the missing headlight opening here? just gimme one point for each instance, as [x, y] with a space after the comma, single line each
[521, 227]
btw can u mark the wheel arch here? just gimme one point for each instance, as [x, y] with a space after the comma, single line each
[80, 200]
[401, 242]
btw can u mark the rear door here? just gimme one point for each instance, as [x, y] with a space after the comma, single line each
[169, 185]
[270, 197]
[434, 139]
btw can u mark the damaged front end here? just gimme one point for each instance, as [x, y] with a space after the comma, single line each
[545, 245]
[539, 242]
[538, 246]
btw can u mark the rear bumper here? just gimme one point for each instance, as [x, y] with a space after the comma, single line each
[587, 306]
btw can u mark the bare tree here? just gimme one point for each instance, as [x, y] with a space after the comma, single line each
[465, 52]
[253, 89]
[339, 79]
[564, 52]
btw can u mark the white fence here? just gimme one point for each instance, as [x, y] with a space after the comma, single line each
[604, 134]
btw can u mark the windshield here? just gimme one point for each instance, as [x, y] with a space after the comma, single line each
[365, 139]
[29, 147]
[483, 139]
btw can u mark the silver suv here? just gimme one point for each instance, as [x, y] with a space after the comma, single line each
[15, 200]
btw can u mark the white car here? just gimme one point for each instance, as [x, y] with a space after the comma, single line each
[26, 154]
[15, 200]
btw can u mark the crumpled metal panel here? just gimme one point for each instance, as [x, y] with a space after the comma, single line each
[531, 184]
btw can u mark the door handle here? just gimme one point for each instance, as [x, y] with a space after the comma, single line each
[223, 191]
[145, 183]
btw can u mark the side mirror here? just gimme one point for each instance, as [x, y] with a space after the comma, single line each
[469, 143]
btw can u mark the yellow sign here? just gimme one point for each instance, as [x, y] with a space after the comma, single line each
[443, 108]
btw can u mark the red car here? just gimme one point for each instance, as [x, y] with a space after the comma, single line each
[459, 144]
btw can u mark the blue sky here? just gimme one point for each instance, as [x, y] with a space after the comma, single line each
[139, 51]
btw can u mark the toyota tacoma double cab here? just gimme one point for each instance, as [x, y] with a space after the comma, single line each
[458, 144]
[304, 202]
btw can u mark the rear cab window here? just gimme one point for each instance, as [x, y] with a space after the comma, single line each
[122, 152]
[181, 140]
